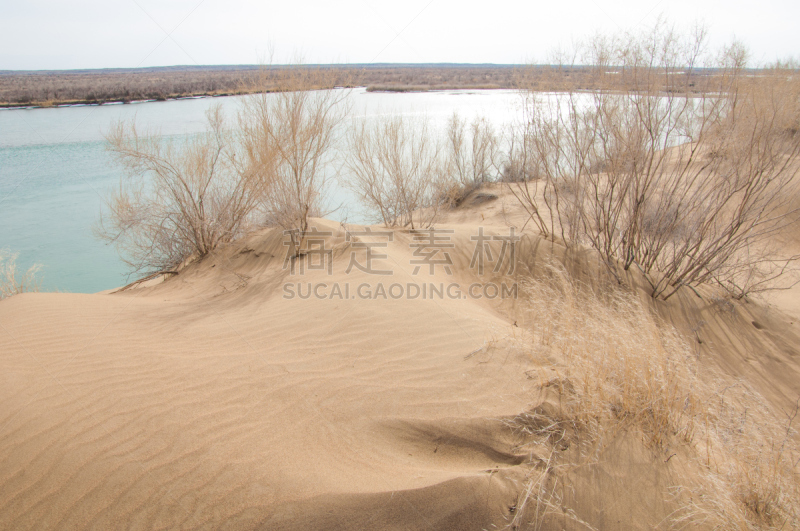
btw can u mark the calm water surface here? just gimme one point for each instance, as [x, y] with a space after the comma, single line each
[55, 172]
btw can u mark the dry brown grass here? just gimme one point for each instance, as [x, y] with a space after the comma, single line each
[615, 368]
[13, 282]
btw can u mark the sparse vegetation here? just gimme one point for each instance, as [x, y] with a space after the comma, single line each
[472, 155]
[182, 201]
[396, 169]
[11, 281]
[686, 178]
[177, 201]
[405, 175]
[614, 368]
[290, 138]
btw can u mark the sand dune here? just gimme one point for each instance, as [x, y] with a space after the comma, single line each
[211, 401]
[192, 404]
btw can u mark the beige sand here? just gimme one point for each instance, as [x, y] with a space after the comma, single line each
[211, 401]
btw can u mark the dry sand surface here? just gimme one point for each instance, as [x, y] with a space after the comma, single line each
[212, 401]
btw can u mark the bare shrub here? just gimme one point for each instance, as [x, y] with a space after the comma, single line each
[615, 367]
[471, 152]
[395, 168]
[182, 201]
[290, 136]
[686, 173]
[536, 193]
[177, 200]
[13, 283]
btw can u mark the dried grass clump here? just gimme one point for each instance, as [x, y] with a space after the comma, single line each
[612, 361]
[12, 282]
[748, 460]
[616, 368]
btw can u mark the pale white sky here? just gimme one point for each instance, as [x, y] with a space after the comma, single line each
[50, 34]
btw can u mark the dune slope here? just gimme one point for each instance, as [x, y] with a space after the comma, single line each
[212, 401]
[221, 399]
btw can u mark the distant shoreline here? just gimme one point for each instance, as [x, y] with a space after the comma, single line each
[92, 103]
[42, 89]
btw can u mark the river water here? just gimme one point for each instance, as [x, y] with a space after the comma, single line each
[55, 171]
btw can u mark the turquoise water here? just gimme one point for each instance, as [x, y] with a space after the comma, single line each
[55, 172]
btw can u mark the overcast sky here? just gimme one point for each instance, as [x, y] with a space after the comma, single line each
[51, 34]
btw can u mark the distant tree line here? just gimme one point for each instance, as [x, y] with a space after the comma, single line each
[126, 85]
